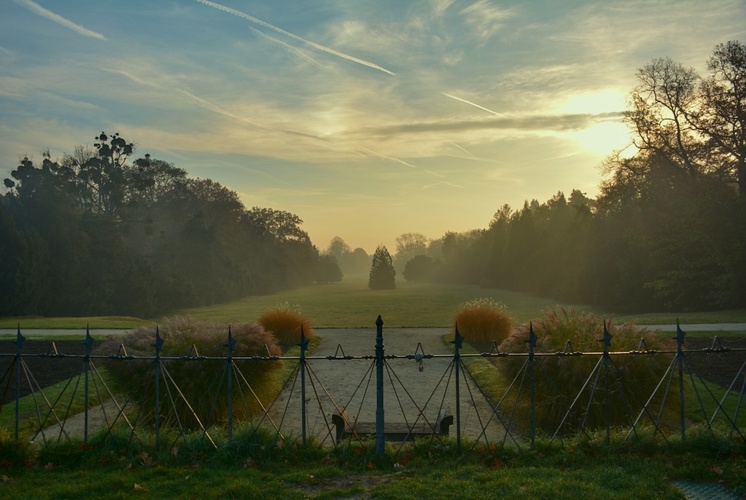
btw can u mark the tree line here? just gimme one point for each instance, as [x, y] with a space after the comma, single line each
[666, 232]
[96, 234]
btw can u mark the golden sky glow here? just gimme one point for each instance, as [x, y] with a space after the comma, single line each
[366, 119]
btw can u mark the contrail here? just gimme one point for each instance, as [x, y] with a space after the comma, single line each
[295, 50]
[216, 108]
[56, 18]
[222, 111]
[443, 183]
[391, 158]
[294, 37]
[472, 104]
[461, 148]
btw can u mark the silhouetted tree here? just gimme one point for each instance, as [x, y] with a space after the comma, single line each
[382, 273]
[356, 262]
[407, 246]
[327, 270]
[338, 248]
[419, 268]
[94, 234]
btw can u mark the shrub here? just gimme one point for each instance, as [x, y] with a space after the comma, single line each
[559, 379]
[483, 321]
[285, 323]
[203, 382]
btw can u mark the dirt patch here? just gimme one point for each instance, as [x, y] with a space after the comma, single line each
[717, 367]
[44, 371]
[350, 485]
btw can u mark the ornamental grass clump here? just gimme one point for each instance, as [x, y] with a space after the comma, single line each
[559, 379]
[199, 372]
[483, 321]
[285, 323]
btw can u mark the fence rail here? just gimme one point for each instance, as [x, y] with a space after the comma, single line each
[378, 399]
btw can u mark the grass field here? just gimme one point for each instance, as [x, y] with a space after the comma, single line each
[350, 304]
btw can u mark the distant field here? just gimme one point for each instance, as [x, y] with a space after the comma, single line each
[350, 304]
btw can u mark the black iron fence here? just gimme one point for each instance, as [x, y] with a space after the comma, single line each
[338, 398]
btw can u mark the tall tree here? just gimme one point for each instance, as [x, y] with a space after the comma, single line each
[722, 116]
[338, 248]
[409, 245]
[382, 273]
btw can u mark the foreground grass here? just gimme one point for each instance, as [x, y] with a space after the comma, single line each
[622, 470]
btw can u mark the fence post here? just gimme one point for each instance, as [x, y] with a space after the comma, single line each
[380, 436]
[458, 342]
[20, 340]
[88, 343]
[680, 355]
[229, 360]
[607, 359]
[158, 345]
[532, 338]
[303, 347]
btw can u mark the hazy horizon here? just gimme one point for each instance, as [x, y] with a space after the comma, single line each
[365, 119]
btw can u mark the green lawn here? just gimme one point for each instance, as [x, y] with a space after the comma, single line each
[350, 304]
[622, 471]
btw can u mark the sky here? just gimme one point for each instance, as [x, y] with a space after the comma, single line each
[367, 119]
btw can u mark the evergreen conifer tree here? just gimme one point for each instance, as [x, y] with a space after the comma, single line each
[382, 273]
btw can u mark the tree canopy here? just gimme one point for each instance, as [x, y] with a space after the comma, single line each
[94, 234]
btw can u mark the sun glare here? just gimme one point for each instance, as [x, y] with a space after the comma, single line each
[594, 102]
[602, 138]
[606, 134]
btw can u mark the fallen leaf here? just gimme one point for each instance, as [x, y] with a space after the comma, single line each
[498, 463]
[140, 488]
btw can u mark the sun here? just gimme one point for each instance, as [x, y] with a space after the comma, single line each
[607, 133]
[603, 138]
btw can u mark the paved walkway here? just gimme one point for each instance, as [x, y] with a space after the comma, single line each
[407, 390]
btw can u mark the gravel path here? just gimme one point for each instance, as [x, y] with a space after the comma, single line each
[407, 390]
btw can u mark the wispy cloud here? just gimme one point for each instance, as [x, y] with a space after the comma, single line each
[486, 18]
[56, 18]
[209, 105]
[315, 45]
[529, 123]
